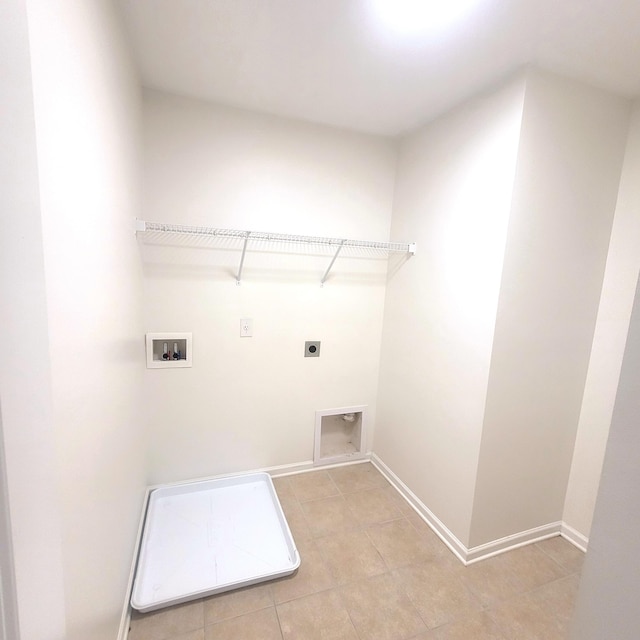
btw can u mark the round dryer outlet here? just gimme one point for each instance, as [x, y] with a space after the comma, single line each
[312, 349]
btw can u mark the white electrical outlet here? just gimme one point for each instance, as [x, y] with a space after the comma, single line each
[246, 327]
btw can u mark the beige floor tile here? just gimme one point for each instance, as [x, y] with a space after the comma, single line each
[198, 634]
[400, 544]
[312, 576]
[282, 485]
[313, 486]
[296, 520]
[405, 508]
[381, 610]
[559, 598]
[479, 626]
[288, 501]
[435, 544]
[372, 505]
[236, 603]
[167, 623]
[563, 552]
[490, 582]
[329, 515]
[321, 616]
[531, 566]
[522, 618]
[357, 477]
[259, 625]
[437, 592]
[350, 556]
[346, 632]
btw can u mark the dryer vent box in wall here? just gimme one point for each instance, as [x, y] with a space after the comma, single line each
[340, 435]
[169, 350]
[312, 349]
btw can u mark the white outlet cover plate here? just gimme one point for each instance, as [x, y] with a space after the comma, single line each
[246, 327]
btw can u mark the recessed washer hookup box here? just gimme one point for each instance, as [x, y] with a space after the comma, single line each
[203, 538]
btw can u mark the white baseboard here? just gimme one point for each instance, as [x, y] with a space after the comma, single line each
[481, 552]
[508, 543]
[125, 618]
[125, 621]
[303, 467]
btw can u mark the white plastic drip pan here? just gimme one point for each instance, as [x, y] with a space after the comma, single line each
[203, 538]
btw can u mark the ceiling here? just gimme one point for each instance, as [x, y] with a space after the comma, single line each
[333, 62]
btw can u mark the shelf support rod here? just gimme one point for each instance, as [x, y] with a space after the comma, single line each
[335, 255]
[244, 251]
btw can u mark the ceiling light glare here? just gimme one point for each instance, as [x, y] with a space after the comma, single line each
[412, 17]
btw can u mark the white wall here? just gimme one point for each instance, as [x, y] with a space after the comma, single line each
[25, 386]
[250, 402]
[453, 193]
[607, 603]
[569, 164]
[621, 274]
[87, 107]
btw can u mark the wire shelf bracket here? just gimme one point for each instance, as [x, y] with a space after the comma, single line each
[244, 252]
[142, 226]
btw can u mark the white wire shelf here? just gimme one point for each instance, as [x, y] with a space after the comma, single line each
[251, 236]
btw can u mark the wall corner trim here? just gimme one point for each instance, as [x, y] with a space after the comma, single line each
[573, 536]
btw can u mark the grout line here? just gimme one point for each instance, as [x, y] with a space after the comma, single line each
[279, 621]
[500, 628]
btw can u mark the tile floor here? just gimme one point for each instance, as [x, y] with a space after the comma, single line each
[373, 570]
